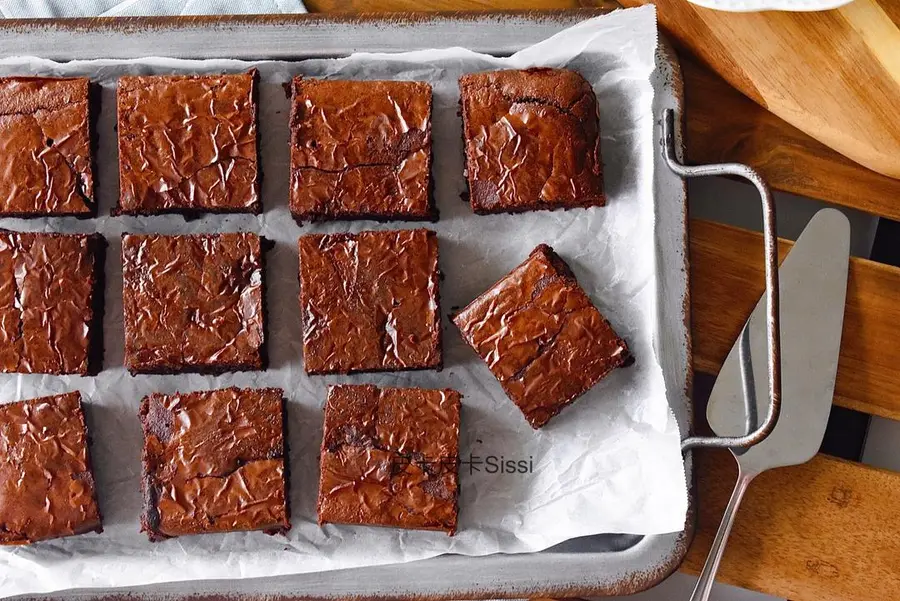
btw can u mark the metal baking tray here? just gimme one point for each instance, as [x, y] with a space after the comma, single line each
[601, 565]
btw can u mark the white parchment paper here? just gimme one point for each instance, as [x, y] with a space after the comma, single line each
[608, 463]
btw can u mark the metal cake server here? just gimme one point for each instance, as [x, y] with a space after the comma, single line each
[813, 283]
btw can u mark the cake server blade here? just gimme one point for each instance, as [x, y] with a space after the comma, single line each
[813, 283]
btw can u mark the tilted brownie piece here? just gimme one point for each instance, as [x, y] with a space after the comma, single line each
[361, 150]
[45, 147]
[390, 457]
[541, 337]
[193, 303]
[51, 303]
[532, 141]
[369, 301]
[214, 461]
[46, 483]
[188, 144]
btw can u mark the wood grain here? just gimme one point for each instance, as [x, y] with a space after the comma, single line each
[833, 74]
[439, 5]
[727, 281]
[723, 125]
[832, 534]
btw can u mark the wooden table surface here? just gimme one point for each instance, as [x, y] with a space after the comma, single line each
[843, 62]
[828, 529]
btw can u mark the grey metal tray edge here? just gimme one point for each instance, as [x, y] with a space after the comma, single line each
[576, 568]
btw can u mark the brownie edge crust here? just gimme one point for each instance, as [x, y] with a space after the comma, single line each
[541, 336]
[370, 301]
[188, 144]
[51, 303]
[390, 457]
[48, 136]
[214, 461]
[532, 141]
[47, 485]
[361, 150]
[194, 303]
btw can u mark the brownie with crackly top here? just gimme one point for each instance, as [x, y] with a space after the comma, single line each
[46, 482]
[532, 141]
[370, 302]
[46, 159]
[541, 336]
[214, 461]
[390, 457]
[193, 303]
[51, 289]
[361, 150]
[188, 144]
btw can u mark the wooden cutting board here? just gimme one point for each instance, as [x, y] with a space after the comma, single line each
[832, 74]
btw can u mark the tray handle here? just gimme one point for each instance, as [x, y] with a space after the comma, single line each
[773, 329]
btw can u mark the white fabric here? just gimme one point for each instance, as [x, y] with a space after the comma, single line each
[20, 9]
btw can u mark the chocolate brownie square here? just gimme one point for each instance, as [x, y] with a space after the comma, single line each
[45, 147]
[193, 303]
[361, 150]
[51, 303]
[541, 336]
[188, 144]
[390, 457]
[46, 483]
[214, 461]
[369, 301]
[532, 141]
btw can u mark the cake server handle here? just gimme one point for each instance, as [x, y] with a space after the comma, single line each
[708, 574]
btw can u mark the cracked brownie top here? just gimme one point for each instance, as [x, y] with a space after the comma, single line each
[188, 144]
[390, 457]
[48, 284]
[541, 337]
[193, 302]
[532, 140]
[46, 483]
[369, 301]
[361, 149]
[45, 147]
[214, 461]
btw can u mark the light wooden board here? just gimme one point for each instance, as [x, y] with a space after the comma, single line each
[826, 530]
[833, 74]
[723, 125]
[727, 281]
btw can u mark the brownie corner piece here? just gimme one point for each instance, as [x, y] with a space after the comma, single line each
[46, 133]
[361, 150]
[541, 336]
[370, 301]
[47, 485]
[549, 118]
[214, 461]
[51, 288]
[203, 312]
[398, 449]
[188, 144]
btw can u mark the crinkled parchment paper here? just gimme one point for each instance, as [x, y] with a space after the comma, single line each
[608, 463]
